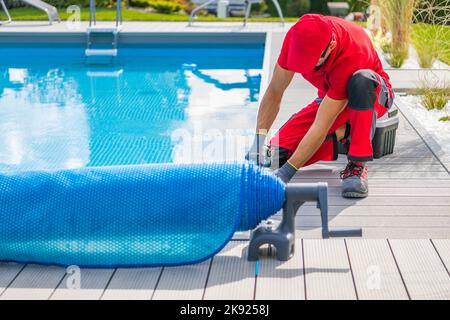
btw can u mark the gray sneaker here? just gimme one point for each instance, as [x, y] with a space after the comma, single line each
[355, 183]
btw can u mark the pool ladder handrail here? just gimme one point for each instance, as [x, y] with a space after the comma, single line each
[93, 28]
[93, 14]
[5, 9]
[51, 11]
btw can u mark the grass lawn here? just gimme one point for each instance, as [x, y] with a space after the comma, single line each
[446, 42]
[31, 14]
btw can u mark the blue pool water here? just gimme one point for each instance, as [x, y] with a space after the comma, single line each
[187, 103]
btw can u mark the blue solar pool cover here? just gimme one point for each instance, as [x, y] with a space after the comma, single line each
[138, 215]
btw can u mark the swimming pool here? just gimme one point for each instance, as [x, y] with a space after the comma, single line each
[153, 104]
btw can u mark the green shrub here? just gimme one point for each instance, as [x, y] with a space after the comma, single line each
[162, 6]
[260, 8]
[358, 5]
[435, 98]
[290, 8]
[296, 8]
[62, 4]
[396, 58]
[166, 6]
[140, 3]
[319, 6]
[385, 45]
[446, 118]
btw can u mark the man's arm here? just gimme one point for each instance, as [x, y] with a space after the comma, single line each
[326, 115]
[270, 104]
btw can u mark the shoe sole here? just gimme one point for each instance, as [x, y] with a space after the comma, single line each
[354, 195]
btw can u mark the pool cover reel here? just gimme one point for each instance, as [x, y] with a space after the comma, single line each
[141, 215]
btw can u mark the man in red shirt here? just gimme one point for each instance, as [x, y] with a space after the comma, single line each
[338, 58]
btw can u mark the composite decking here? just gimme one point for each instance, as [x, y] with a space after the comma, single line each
[320, 269]
[404, 253]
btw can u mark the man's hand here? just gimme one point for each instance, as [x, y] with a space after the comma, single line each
[256, 152]
[286, 172]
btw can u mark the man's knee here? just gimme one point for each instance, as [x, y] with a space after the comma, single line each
[362, 88]
[278, 156]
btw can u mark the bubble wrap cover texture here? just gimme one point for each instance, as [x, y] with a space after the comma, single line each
[140, 215]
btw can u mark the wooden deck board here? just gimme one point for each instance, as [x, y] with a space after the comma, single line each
[399, 192]
[376, 221]
[391, 160]
[34, 282]
[379, 183]
[327, 270]
[281, 280]
[375, 272]
[383, 233]
[407, 226]
[387, 167]
[182, 283]
[443, 248]
[8, 272]
[135, 284]
[362, 211]
[302, 175]
[388, 201]
[422, 270]
[232, 277]
[91, 287]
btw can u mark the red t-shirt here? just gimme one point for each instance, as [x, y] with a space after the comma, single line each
[354, 51]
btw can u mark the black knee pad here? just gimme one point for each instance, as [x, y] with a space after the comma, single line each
[362, 88]
[278, 156]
